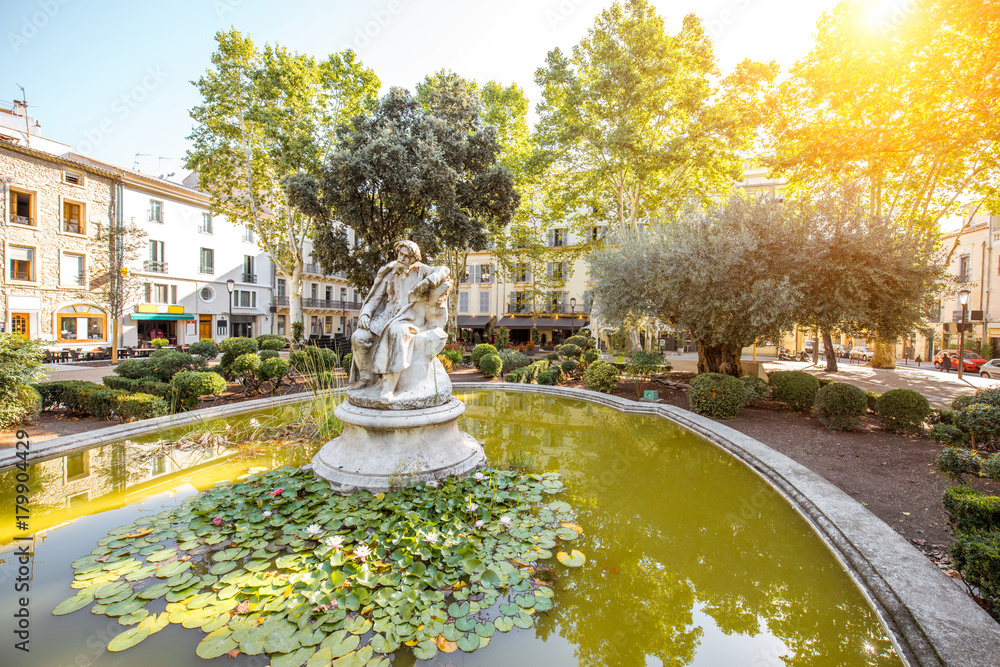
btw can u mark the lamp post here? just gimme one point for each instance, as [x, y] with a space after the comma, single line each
[230, 284]
[572, 324]
[963, 299]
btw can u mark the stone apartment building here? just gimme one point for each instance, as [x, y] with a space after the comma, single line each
[54, 211]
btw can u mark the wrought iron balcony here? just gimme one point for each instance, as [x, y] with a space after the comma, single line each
[250, 278]
[331, 304]
[280, 300]
[154, 267]
[22, 219]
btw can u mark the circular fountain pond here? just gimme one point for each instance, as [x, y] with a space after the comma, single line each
[691, 558]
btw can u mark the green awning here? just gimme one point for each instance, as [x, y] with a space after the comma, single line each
[162, 316]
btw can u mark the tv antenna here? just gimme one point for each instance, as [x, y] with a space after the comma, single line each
[135, 163]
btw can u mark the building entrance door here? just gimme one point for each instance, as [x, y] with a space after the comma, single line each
[20, 323]
[204, 326]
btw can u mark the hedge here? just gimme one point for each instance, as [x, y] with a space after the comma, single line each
[716, 395]
[188, 386]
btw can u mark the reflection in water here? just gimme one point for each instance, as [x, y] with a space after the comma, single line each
[692, 558]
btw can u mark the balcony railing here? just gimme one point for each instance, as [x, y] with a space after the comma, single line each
[545, 310]
[154, 267]
[155, 216]
[316, 270]
[280, 300]
[208, 269]
[22, 219]
[250, 278]
[331, 304]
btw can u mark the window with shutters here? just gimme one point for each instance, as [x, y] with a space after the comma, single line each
[21, 261]
[206, 224]
[557, 238]
[521, 273]
[155, 211]
[485, 273]
[558, 270]
[73, 222]
[484, 302]
[519, 302]
[463, 302]
[206, 261]
[22, 208]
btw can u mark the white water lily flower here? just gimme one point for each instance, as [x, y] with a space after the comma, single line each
[505, 521]
[314, 530]
[267, 513]
[254, 422]
[432, 538]
[480, 523]
[479, 477]
[362, 551]
[472, 507]
[334, 542]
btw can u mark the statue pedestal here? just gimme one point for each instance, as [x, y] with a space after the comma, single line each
[380, 450]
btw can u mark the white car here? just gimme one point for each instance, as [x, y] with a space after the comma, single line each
[991, 369]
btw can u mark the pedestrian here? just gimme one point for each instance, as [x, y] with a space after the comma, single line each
[946, 363]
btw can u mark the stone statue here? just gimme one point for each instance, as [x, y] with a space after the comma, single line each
[400, 333]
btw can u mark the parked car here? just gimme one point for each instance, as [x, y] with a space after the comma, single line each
[861, 352]
[807, 351]
[991, 369]
[840, 351]
[970, 360]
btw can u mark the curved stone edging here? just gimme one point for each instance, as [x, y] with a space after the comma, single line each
[930, 619]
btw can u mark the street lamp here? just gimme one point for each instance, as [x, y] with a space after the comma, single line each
[572, 325]
[963, 299]
[230, 284]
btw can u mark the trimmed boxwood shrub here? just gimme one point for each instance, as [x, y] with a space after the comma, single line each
[205, 348]
[872, 399]
[490, 365]
[164, 364]
[902, 410]
[840, 406]
[962, 401]
[20, 407]
[797, 389]
[519, 376]
[716, 395]
[988, 396]
[133, 407]
[590, 356]
[981, 421]
[550, 377]
[269, 354]
[552, 356]
[570, 351]
[74, 394]
[755, 388]
[188, 386]
[133, 368]
[957, 461]
[271, 344]
[103, 403]
[143, 385]
[977, 558]
[971, 510]
[601, 376]
[568, 366]
[480, 351]
[236, 347]
[245, 369]
[274, 371]
[947, 434]
[513, 359]
[582, 342]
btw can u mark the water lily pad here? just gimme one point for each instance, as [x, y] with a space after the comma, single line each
[426, 650]
[293, 659]
[572, 559]
[128, 639]
[524, 621]
[359, 625]
[223, 568]
[172, 569]
[155, 591]
[485, 629]
[69, 605]
[469, 643]
[161, 555]
[503, 623]
[216, 644]
[124, 607]
[458, 610]
[110, 590]
[134, 617]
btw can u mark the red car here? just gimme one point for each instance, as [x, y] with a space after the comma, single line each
[971, 360]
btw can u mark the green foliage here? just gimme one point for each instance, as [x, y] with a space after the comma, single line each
[274, 371]
[20, 362]
[644, 363]
[971, 511]
[568, 367]
[164, 364]
[481, 350]
[159, 342]
[296, 332]
[490, 365]
[133, 407]
[535, 336]
[976, 557]
[269, 354]
[102, 403]
[797, 389]
[872, 398]
[962, 401]
[716, 395]
[71, 394]
[981, 421]
[134, 368]
[570, 351]
[840, 406]
[552, 356]
[20, 407]
[143, 385]
[902, 410]
[188, 386]
[580, 341]
[988, 395]
[519, 376]
[601, 376]
[235, 347]
[246, 370]
[454, 356]
[205, 348]
[314, 359]
[272, 344]
[501, 338]
[550, 377]
[942, 417]
[590, 356]
[346, 362]
[957, 461]
[464, 544]
[755, 388]
[947, 434]
[513, 359]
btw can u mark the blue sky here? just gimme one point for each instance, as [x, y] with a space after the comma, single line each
[112, 79]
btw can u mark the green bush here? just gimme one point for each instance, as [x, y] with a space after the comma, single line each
[274, 371]
[49, 393]
[601, 376]
[970, 510]
[133, 407]
[948, 435]
[314, 360]
[902, 410]
[981, 421]
[991, 467]
[159, 342]
[942, 417]
[513, 359]
[490, 365]
[480, 351]
[962, 401]
[957, 461]
[716, 395]
[552, 356]
[246, 370]
[872, 399]
[580, 341]
[271, 344]
[103, 403]
[454, 356]
[188, 386]
[501, 338]
[590, 356]
[797, 389]
[133, 368]
[537, 367]
[519, 376]
[570, 351]
[568, 367]
[346, 361]
[976, 557]
[988, 396]
[550, 377]
[73, 394]
[235, 347]
[164, 364]
[21, 406]
[840, 406]
[144, 385]
[755, 388]
[205, 348]
[535, 336]
[269, 354]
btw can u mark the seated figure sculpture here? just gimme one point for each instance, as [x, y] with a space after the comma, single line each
[400, 333]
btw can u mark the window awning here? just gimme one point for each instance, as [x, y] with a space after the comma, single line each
[542, 323]
[162, 316]
[474, 321]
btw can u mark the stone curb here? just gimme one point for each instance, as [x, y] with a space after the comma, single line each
[931, 620]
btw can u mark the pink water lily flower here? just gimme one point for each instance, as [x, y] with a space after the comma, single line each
[217, 521]
[276, 492]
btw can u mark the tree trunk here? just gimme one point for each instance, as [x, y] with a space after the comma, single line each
[295, 298]
[720, 359]
[885, 354]
[114, 341]
[831, 355]
[815, 347]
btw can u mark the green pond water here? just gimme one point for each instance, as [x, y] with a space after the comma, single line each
[692, 558]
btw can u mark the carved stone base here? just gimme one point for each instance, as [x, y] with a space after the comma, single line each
[383, 449]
